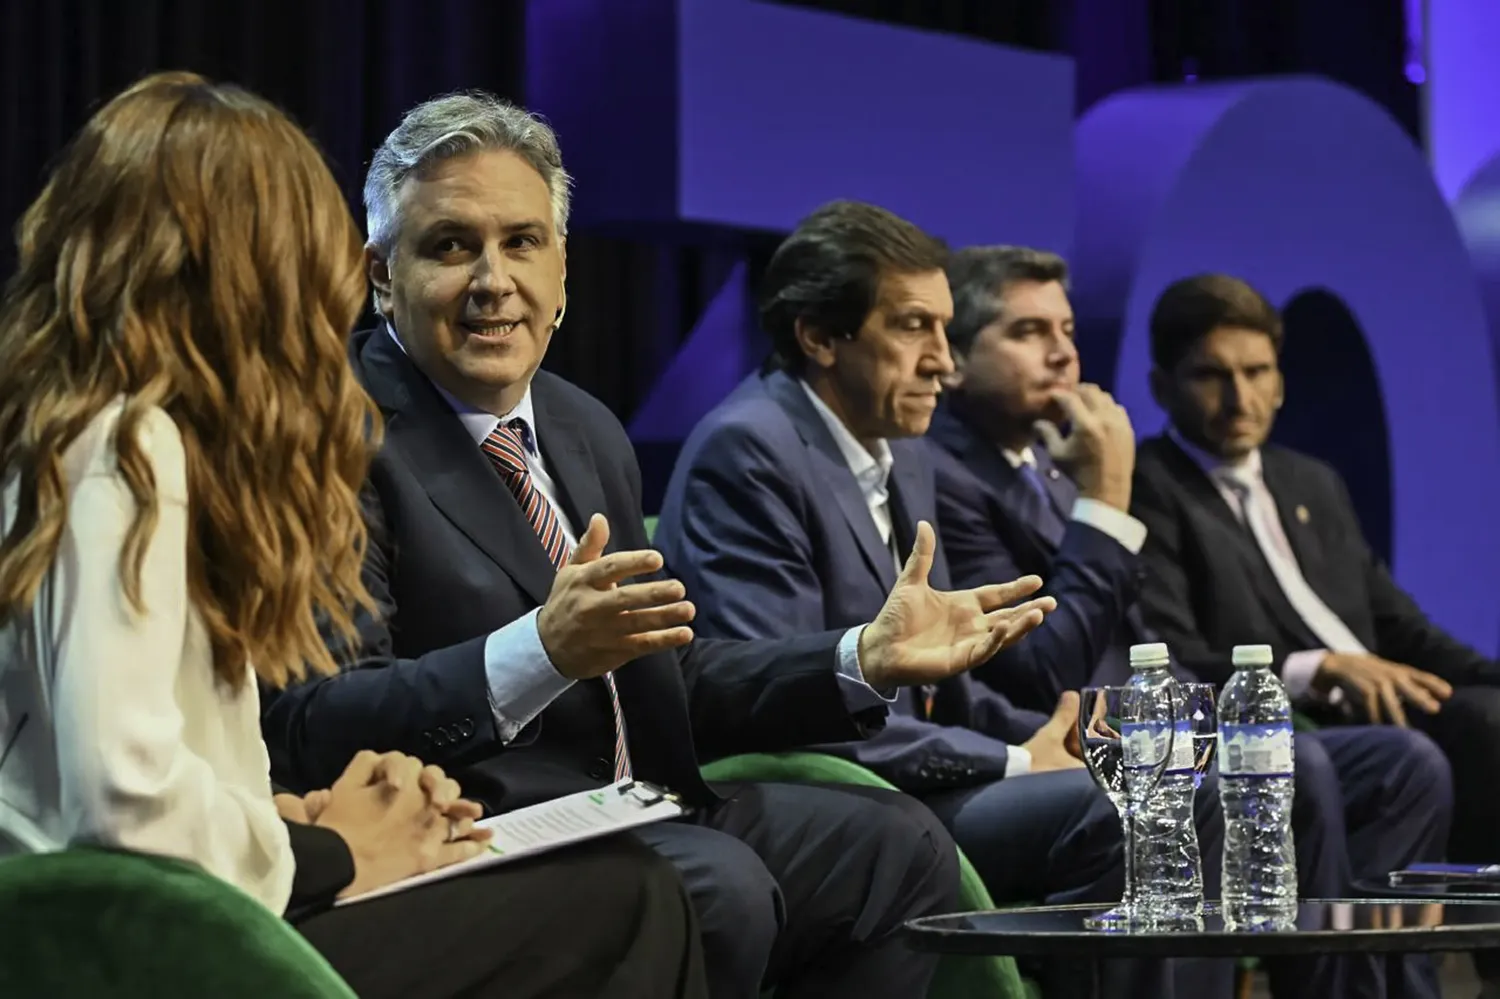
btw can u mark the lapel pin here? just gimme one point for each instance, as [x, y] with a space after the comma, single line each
[1302, 515]
[1052, 473]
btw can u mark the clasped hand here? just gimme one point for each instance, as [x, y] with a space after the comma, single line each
[398, 818]
[1382, 688]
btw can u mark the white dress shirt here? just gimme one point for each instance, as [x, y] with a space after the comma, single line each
[1129, 532]
[114, 729]
[1229, 478]
[521, 677]
[871, 468]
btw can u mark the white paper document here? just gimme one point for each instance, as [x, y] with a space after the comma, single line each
[552, 824]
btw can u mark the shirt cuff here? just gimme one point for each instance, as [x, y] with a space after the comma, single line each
[1017, 761]
[522, 680]
[858, 695]
[1297, 674]
[1129, 532]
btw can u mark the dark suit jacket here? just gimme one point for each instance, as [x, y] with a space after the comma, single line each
[452, 558]
[995, 527]
[768, 529]
[1209, 588]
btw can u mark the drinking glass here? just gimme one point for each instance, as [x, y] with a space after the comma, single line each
[1199, 709]
[1126, 735]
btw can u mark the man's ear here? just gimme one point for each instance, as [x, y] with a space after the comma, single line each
[378, 271]
[816, 345]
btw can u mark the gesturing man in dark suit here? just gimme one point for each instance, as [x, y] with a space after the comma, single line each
[794, 504]
[1015, 495]
[1248, 539]
[513, 647]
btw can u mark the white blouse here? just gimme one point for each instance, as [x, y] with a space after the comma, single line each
[114, 730]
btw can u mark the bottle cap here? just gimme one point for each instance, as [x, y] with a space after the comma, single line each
[1149, 656]
[1251, 655]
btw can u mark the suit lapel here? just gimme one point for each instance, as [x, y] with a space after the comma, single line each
[832, 470]
[1202, 492]
[1032, 525]
[565, 449]
[1060, 488]
[1287, 508]
[458, 478]
[913, 497]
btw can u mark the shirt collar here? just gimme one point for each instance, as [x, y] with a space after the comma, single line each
[871, 467]
[1025, 456]
[1213, 466]
[479, 423]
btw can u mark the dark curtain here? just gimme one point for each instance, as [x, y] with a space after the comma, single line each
[346, 69]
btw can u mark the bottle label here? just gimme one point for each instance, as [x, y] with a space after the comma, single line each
[1146, 744]
[1256, 750]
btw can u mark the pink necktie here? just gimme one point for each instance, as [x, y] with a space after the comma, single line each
[506, 449]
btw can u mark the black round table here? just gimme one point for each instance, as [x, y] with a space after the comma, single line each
[1324, 926]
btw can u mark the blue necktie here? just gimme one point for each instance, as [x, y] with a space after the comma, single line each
[1050, 521]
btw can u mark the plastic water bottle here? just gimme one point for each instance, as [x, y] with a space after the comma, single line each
[1255, 786]
[1167, 867]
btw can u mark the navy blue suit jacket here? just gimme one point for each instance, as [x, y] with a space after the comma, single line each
[767, 528]
[995, 526]
[452, 557]
[1209, 588]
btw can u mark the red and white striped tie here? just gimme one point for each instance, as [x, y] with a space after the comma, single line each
[506, 449]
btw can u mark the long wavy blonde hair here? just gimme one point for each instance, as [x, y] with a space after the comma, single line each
[191, 251]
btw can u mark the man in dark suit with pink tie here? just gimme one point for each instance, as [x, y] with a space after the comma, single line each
[528, 642]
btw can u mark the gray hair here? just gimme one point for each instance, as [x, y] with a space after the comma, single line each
[978, 276]
[450, 126]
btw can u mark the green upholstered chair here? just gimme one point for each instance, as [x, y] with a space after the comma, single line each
[111, 925]
[957, 977]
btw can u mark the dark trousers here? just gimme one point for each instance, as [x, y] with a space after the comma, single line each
[1055, 838]
[1368, 800]
[608, 918]
[1468, 730]
[806, 888]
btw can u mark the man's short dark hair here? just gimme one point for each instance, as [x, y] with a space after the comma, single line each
[1192, 308]
[827, 272]
[979, 275]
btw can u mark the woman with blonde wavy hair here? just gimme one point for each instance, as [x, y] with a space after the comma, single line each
[182, 443]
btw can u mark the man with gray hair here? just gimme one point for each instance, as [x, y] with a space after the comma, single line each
[515, 644]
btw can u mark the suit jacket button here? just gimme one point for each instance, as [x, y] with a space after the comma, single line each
[601, 769]
[466, 728]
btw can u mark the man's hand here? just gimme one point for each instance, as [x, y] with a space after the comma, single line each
[1099, 451]
[394, 831]
[591, 624]
[922, 635]
[291, 808]
[1380, 686]
[1055, 744]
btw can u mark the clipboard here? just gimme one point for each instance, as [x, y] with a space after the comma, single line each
[1473, 877]
[550, 825]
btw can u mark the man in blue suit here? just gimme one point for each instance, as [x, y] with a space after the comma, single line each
[794, 506]
[1014, 495]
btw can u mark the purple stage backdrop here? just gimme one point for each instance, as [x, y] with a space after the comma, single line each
[689, 116]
